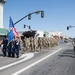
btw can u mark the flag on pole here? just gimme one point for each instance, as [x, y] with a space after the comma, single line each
[10, 33]
[14, 29]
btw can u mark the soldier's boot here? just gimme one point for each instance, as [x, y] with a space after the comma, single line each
[13, 54]
[9, 54]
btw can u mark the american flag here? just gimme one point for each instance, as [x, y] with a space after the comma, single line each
[12, 31]
[15, 32]
[11, 27]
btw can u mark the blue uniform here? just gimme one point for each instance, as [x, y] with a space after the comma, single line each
[17, 48]
[13, 48]
[9, 49]
[4, 50]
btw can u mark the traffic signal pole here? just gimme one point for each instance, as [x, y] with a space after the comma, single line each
[28, 27]
[69, 27]
[29, 16]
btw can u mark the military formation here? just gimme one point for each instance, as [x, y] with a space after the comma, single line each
[12, 48]
[37, 44]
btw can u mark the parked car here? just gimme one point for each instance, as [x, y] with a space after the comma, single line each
[66, 41]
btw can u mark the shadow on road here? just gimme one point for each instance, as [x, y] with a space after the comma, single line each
[1, 54]
[68, 53]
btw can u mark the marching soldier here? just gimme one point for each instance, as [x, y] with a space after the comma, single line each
[22, 46]
[73, 44]
[34, 43]
[17, 46]
[13, 48]
[39, 43]
[5, 42]
[31, 44]
[27, 44]
[9, 47]
[24, 43]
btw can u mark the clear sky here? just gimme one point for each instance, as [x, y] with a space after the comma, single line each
[58, 15]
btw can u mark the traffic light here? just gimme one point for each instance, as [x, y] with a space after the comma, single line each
[29, 27]
[3, 1]
[24, 25]
[42, 14]
[29, 16]
[67, 28]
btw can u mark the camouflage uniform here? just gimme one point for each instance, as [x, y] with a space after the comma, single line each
[22, 46]
[27, 44]
[39, 43]
[34, 43]
[31, 44]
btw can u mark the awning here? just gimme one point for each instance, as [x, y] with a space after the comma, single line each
[3, 31]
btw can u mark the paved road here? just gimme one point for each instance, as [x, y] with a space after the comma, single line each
[56, 61]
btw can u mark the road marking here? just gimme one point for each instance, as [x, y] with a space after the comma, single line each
[27, 56]
[23, 56]
[20, 71]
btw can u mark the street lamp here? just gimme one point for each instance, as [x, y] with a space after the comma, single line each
[29, 16]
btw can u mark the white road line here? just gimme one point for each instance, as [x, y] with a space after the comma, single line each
[23, 56]
[27, 56]
[20, 71]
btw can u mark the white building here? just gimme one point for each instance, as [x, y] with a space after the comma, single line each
[3, 31]
[55, 33]
[39, 33]
[2, 2]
